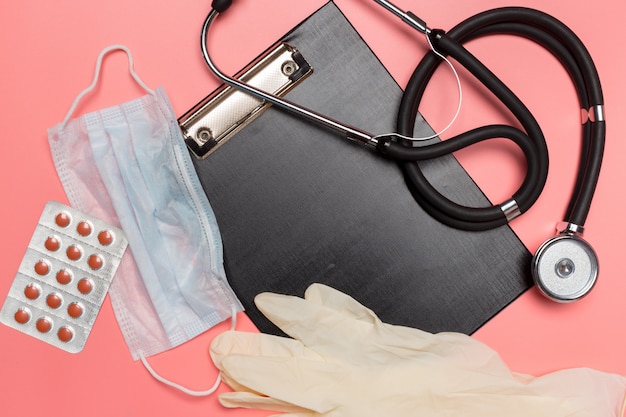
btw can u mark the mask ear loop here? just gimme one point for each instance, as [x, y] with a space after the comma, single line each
[96, 77]
[179, 387]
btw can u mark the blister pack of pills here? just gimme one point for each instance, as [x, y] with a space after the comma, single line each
[64, 277]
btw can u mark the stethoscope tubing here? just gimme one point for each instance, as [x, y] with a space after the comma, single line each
[485, 217]
[567, 47]
[567, 60]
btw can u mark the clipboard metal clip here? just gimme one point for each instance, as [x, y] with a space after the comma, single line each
[223, 113]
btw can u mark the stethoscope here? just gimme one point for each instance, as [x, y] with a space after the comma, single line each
[565, 267]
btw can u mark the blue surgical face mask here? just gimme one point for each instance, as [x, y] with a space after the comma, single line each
[129, 165]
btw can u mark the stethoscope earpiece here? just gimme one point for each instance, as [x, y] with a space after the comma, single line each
[565, 268]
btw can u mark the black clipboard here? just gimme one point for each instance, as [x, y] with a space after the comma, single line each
[297, 204]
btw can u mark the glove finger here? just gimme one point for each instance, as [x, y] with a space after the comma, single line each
[333, 333]
[311, 323]
[256, 344]
[250, 400]
[332, 323]
[235, 385]
[308, 384]
[342, 303]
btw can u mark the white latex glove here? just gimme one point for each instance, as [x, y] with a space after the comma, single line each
[343, 361]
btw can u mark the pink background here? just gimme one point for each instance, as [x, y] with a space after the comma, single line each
[49, 50]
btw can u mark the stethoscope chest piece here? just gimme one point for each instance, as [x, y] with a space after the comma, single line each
[565, 268]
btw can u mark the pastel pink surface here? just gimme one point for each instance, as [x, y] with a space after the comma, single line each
[49, 51]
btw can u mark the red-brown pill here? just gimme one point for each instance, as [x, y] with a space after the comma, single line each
[105, 238]
[32, 291]
[62, 219]
[22, 315]
[64, 277]
[65, 334]
[52, 243]
[74, 253]
[42, 268]
[95, 262]
[54, 300]
[75, 310]
[84, 228]
[44, 325]
[85, 286]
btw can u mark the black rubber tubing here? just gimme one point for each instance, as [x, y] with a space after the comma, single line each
[561, 42]
[589, 91]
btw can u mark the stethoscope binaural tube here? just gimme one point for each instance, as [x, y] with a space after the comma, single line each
[565, 267]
